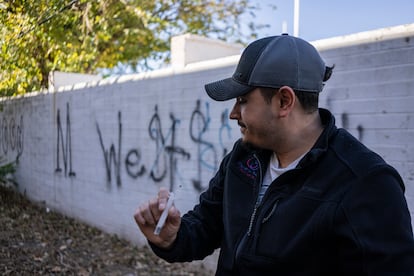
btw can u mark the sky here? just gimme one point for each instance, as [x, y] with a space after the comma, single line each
[319, 19]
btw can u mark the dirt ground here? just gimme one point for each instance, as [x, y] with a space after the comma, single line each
[34, 241]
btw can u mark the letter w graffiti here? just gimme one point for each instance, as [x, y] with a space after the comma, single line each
[112, 156]
[65, 143]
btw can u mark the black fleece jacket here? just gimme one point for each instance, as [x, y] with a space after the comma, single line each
[341, 211]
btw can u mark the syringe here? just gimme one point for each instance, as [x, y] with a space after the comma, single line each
[164, 214]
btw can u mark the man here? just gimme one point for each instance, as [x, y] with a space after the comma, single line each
[296, 195]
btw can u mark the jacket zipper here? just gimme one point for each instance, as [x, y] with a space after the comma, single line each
[257, 204]
[271, 211]
[253, 215]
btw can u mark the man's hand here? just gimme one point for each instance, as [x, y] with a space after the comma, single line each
[148, 214]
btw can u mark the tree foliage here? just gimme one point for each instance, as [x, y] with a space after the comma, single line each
[41, 36]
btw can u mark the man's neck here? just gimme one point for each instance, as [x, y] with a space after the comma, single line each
[301, 141]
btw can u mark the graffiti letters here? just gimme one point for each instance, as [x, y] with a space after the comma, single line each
[166, 154]
[64, 143]
[199, 124]
[225, 128]
[132, 164]
[11, 136]
[164, 164]
[112, 156]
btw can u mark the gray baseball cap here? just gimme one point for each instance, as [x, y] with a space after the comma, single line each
[273, 62]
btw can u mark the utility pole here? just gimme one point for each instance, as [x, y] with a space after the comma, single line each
[284, 27]
[296, 18]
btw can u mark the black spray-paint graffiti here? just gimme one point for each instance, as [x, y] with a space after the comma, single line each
[132, 160]
[346, 121]
[64, 143]
[166, 154]
[224, 128]
[199, 124]
[159, 168]
[111, 156]
[345, 125]
[11, 136]
[167, 151]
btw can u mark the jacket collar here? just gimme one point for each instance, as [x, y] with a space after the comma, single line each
[322, 144]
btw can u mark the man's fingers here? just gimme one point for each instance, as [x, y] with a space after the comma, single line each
[149, 212]
[154, 209]
[138, 217]
[163, 194]
[144, 214]
[174, 216]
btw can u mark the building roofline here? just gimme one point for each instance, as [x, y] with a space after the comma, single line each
[382, 34]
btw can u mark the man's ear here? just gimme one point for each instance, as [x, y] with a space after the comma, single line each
[287, 99]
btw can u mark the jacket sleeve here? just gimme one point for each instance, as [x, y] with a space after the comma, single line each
[201, 229]
[374, 226]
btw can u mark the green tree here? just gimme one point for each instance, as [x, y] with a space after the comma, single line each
[41, 36]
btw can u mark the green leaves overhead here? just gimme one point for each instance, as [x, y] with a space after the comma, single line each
[84, 36]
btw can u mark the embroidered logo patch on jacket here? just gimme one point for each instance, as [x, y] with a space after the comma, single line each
[249, 167]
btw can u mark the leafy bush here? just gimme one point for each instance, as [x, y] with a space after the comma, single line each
[6, 173]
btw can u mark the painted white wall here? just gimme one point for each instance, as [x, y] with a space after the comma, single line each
[189, 48]
[59, 79]
[94, 151]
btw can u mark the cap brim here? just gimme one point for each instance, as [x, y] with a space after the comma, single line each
[226, 89]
